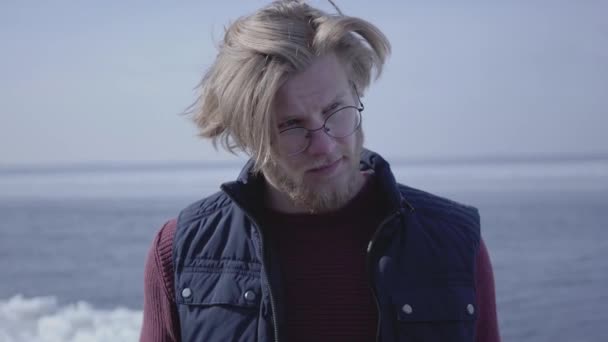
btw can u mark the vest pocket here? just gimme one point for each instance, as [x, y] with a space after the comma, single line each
[218, 303]
[436, 314]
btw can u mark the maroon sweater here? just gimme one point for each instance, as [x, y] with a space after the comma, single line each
[327, 295]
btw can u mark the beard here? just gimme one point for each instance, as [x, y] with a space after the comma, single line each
[319, 196]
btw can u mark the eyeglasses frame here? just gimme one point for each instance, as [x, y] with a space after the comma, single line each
[325, 130]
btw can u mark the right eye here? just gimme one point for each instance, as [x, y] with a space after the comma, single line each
[288, 124]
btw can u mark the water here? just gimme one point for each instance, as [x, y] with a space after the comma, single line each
[73, 243]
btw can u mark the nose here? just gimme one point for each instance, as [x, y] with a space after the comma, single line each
[321, 143]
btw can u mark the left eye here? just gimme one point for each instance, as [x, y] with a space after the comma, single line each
[332, 108]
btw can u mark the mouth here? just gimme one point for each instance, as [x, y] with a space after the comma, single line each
[326, 169]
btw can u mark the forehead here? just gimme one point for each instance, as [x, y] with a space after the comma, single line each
[312, 89]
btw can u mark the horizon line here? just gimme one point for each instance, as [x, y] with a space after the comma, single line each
[100, 166]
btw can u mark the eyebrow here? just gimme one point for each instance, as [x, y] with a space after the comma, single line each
[339, 96]
[335, 99]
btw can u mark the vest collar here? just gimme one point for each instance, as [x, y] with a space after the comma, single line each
[248, 188]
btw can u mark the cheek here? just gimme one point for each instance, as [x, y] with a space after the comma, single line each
[350, 143]
[359, 138]
[293, 167]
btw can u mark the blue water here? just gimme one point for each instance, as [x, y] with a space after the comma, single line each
[83, 236]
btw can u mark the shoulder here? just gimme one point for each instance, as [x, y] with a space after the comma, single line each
[160, 256]
[426, 203]
[208, 224]
[433, 207]
[205, 207]
[165, 234]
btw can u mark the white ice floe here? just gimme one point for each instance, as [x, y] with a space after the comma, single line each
[43, 319]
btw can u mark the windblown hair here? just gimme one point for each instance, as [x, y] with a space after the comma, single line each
[257, 55]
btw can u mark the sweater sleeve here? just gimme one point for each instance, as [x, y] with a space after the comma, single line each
[486, 329]
[160, 318]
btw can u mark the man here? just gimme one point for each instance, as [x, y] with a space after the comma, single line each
[315, 241]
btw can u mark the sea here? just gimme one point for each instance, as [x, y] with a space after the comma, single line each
[73, 241]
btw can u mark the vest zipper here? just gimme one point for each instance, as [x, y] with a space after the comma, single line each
[272, 304]
[266, 278]
[369, 260]
[263, 258]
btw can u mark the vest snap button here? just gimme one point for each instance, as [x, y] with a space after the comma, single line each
[407, 309]
[186, 293]
[249, 296]
[470, 309]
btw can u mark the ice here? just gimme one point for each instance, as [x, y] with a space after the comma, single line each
[43, 319]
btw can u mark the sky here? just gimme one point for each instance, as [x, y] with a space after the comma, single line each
[106, 81]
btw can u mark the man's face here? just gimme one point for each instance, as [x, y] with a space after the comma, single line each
[325, 175]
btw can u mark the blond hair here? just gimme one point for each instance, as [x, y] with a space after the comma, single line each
[257, 55]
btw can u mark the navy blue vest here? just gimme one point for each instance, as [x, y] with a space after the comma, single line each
[421, 264]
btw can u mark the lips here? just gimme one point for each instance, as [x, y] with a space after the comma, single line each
[326, 167]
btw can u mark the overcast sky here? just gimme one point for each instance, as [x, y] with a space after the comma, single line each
[105, 80]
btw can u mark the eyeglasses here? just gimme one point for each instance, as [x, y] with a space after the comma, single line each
[340, 123]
